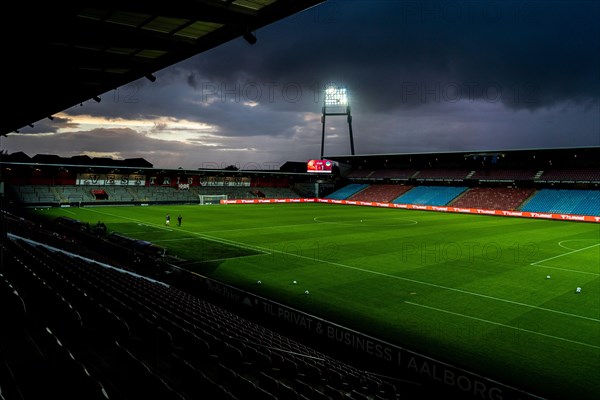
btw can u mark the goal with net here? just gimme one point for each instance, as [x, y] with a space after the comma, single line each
[211, 198]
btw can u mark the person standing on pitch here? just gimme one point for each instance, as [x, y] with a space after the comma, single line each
[168, 220]
[179, 220]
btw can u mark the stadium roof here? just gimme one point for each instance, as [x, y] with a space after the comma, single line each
[60, 54]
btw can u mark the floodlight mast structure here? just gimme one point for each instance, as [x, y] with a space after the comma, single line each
[335, 102]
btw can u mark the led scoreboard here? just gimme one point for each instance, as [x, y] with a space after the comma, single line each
[319, 166]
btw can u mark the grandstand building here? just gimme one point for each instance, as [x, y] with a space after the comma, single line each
[551, 180]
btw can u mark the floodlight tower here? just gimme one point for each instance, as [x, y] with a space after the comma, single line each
[335, 102]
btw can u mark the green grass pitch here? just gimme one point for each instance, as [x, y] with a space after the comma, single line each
[489, 294]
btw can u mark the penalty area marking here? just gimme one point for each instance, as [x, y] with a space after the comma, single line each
[363, 220]
[503, 325]
[539, 263]
[571, 240]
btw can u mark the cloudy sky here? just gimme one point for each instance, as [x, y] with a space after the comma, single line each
[423, 76]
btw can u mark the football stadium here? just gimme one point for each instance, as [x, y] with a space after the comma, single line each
[486, 285]
[470, 275]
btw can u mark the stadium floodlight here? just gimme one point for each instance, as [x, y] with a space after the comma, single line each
[336, 96]
[336, 102]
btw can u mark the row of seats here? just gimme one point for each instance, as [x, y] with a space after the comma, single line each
[30, 194]
[493, 198]
[347, 191]
[430, 195]
[562, 201]
[505, 174]
[441, 173]
[380, 193]
[566, 201]
[573, 174]
[133, 337]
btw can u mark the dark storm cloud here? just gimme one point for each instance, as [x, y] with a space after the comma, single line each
[235, 110]
[469, 127]
[423, 76]
[407, 53]
[391, 54]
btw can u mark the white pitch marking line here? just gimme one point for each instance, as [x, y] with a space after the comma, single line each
[570, 240]
[257, 227]
[503, 325]
[567, 270]
[412, 221]
[175, 240]
[231, 258]
[565, 254]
